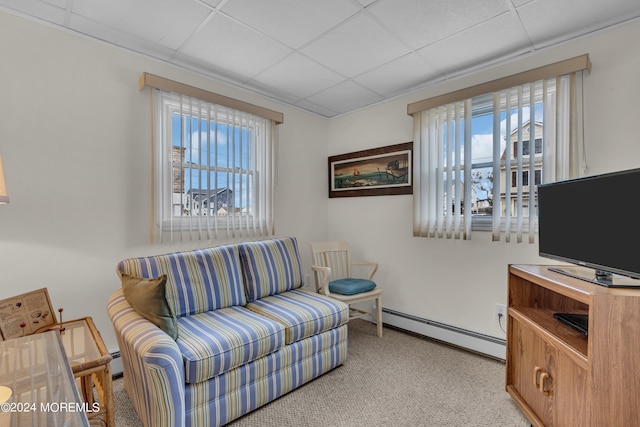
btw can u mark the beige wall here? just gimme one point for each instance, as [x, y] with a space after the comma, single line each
[75, 140]
[455, 282]
[74, 136]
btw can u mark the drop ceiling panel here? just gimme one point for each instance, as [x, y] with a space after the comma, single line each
[430, 21]
[106, 33]
[356, 46]
[330, 56]
[300, 76]
[399, 76]
[345, 97]
[497, 39]
[234, 47]
[293, 22]
[165, 22]
[314, 108]
[53, 12]
[550, 21]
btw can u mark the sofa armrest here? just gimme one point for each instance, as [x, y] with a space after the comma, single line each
[152, 366]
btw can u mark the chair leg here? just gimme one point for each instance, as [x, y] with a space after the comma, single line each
[379, 315]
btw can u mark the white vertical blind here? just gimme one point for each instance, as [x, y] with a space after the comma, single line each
[536, 139]
[214, 170]
[440, 196]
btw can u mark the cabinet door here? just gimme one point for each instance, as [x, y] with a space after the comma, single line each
[570, 394]
[553, 386]
[531, 357]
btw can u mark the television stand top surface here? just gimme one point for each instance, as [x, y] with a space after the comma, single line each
[589, 274]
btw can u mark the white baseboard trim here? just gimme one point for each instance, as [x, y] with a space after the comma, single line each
[485, 344]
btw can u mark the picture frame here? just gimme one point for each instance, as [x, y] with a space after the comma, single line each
[379, 171]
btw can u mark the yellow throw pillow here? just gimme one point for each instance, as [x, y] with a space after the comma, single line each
[148, 297]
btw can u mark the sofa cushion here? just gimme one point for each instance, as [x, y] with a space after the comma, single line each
[302, 313]
[197, 281]
[216, 341]
[270, 267]
[148, 297]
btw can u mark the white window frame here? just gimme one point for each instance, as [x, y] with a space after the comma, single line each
[247, 217]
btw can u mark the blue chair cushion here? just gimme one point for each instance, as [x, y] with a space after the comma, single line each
[351, 286]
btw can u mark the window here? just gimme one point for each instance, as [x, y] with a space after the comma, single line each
[474, 154]
[525, 178]
[213, 167]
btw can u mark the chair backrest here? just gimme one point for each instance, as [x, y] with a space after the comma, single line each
[333, 254]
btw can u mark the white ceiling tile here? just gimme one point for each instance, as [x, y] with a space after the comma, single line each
[345, 97]
[430, 21]
[356, 46]
[399, 76]
[366, 3]
[212, 3]
[53, 12]
[497, 39]
[165, 22]
[310, 106]
[59, 3]
[551, 21]
[271, 91]
[330, 56]
[118, 38]
[299, 75]
[293, 22]
[234, 47]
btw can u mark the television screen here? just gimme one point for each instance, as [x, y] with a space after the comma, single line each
[593, 222]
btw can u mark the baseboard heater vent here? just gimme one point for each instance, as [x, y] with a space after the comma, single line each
[116, 365]
[474, 341]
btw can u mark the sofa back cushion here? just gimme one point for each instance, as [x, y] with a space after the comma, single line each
[197, 281]
[270, 267]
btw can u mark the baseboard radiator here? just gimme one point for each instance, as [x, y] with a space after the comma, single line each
[116, 364]
[474, 341]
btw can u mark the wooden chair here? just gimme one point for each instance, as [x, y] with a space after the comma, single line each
[332, 267]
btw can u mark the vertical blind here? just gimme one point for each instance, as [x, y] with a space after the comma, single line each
[536, 137]
[214, 169]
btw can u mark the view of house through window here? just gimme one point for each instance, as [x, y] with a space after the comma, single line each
[515, 136]
[482, 151]
[212, 171]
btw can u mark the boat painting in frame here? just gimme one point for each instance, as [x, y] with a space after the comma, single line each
[375, 172]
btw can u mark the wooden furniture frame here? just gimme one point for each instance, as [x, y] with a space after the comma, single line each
[90, 363]
[332, 261]
[558, 376]
[34, 368]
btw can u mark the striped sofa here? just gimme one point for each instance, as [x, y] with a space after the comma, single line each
[247, 333]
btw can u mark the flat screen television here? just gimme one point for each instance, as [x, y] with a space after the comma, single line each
[593, 223]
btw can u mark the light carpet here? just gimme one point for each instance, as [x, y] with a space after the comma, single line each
[397, 380]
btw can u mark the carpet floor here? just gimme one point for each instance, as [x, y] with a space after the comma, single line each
[397, 380]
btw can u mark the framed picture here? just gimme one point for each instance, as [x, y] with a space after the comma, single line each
[376, 172]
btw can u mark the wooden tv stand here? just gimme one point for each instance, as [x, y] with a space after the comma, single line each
[556, 375]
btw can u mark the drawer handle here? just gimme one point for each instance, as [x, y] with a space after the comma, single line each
[536, 376]
[545, 384]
